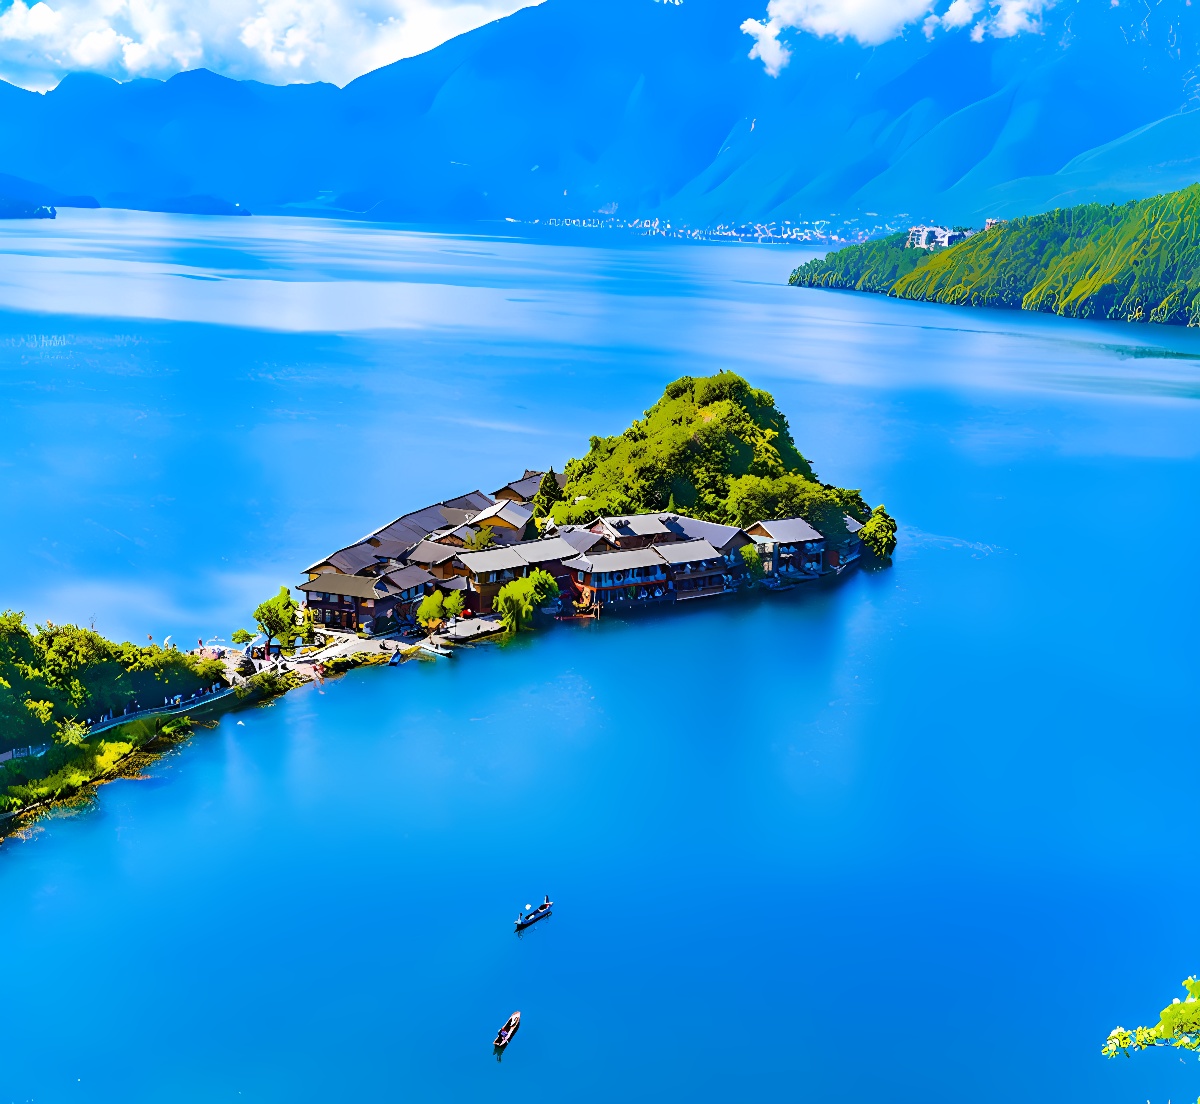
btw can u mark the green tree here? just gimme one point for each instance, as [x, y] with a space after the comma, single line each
[879, 533]
[242, 636]
[452, 605]
[753, 561]
[514, 604]
[70, 733]
[1178, 1026]
[483, 538]
[548, 493]
[277, 616]
[544, 586]
[431, 612]
[517, 600]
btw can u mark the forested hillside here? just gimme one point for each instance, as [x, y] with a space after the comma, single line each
[1134, 262]
[715, 448]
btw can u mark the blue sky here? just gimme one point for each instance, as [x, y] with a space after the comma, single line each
[281, 41]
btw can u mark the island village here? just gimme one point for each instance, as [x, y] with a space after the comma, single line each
[476, 544]
[361, 603]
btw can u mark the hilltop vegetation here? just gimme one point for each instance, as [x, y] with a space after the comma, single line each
[1134, 262]
[53, 676]
[715, 448]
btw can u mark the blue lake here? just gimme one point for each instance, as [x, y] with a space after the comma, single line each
[909, 837]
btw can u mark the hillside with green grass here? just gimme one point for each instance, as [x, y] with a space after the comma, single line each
[1133, 262]
[715, 448]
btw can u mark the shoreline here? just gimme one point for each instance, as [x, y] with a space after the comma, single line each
[15, 824]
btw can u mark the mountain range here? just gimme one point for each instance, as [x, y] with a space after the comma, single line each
[636, 109]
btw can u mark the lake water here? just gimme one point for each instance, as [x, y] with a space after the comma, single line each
[910, 837]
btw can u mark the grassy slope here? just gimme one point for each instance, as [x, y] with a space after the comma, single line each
[1137, 262]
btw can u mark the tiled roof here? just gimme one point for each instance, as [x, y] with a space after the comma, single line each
[545, 550]
[429, 553]
[636, 525]
[511, 512]
[405, 578]
[404, 532]
[788, 530]
[357, 586]
[691, 528]
[492, 559]
[679, 552]
[616, 561]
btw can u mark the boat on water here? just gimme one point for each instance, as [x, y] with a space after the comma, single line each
[529, 915]
[505, 1034]
[397, 658]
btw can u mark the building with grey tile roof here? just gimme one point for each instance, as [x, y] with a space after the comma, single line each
[389, 541]
[687, 552]
[726, 539]
[785, 531]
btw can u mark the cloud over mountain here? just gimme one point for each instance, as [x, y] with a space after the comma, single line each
[278, 41]
[872, 22]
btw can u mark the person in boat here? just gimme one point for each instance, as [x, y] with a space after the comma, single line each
[546, 902]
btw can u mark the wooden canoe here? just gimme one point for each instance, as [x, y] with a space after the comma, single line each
[505, 1035]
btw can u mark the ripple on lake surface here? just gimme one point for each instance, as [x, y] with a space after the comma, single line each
[833, 821]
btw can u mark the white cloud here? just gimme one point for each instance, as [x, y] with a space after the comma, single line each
[871, 22]
[271, 40]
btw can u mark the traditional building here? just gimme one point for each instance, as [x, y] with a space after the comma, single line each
[790, 548]
[485, 573]
[522, 490]
[845, 552]
[695, 569]
[435, 558]
[353, 605]
[635, 576]
[507, 520]
[412, 583]
[633, 530]
[388, 543]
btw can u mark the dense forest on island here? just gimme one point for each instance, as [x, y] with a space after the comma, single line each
[716, 448]
[1133, 262]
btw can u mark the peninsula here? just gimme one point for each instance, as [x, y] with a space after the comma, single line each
[1133, 262]
[705, 496]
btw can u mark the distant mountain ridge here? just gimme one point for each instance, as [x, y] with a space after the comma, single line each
[645, 109]
[1134, 262]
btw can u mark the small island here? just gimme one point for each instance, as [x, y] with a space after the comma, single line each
[1130, 262]
[705, 496]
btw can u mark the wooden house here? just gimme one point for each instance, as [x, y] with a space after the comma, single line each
[631, 577]
[843, 553]
[349, 602]
[387, 544]
[790, 548]
[522, 490]
[485, 573]
[633, 530]
[507, 520]
[695, 569]
[412, 583]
